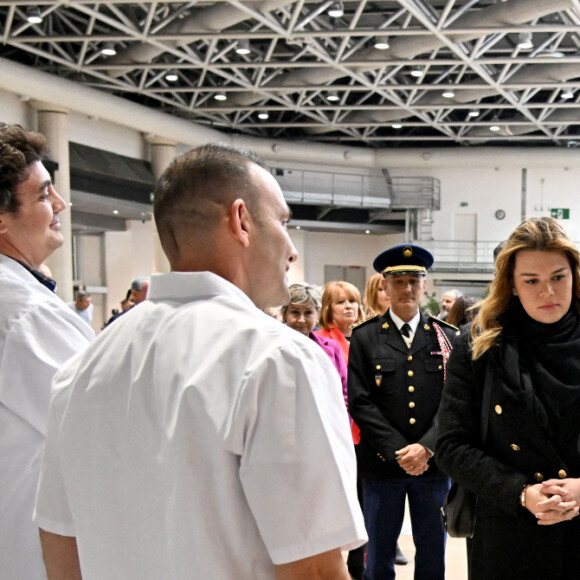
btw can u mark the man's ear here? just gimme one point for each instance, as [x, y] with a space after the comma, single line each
[3, 226]
[241, 222]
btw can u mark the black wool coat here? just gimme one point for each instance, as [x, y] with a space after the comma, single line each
[508, 542]
[394, 392]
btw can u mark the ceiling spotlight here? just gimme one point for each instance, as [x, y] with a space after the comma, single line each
[220, 97]
[417, 71]
[33, 15]
[525, 40]
[495, 128]
[473, 113]
[567, 94]
[109, 49]
[336, 10]
[333, 96]
[449, 94]
[171, 76]
[551, 53]
[263, 116]
[382, 42]
[243, 47]
[397, 126]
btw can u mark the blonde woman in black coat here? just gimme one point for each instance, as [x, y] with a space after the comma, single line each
[525, 345]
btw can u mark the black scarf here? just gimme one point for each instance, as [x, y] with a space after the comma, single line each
[542, 362]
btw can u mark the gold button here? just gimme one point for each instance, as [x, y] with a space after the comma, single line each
[411, 389]
[538, 476]
[498, 409]
[440, 367]
[411, 405]
[515, 447]
[412, 421]
[378, 367]
[410, 358]
[410, 373]
[562, 473]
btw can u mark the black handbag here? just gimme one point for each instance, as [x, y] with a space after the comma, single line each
[458, 513]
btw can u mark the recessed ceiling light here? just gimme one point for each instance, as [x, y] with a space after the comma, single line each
[567, 94]
[417, 71]
[171, 76]
[382, 42]
[336, 10]
[33, 15]
[109, 49]
[397, 126]
[525, 40]
[473, 113]
[448, 94]
[263, 116]
[243, 46]
[220, 97]
[333, 96]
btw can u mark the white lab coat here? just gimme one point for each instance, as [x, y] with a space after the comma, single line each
[38, 333]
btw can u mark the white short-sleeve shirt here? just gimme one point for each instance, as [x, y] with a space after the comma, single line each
[38, 333]
[199, 436]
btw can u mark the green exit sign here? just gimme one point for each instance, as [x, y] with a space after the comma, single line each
[560, 213]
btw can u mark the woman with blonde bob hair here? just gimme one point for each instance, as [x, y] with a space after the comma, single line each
[341, 308]
[524, 347]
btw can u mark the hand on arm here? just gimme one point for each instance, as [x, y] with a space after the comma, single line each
[553, 501]
[326, 566]
[414, 458]
[61, 557]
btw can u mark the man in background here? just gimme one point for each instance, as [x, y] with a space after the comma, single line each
[83, 306]
[447, 302]
[38, 333]
[201, 437]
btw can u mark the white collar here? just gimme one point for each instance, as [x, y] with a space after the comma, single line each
[413, 323]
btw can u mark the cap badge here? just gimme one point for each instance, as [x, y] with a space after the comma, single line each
[407, 252]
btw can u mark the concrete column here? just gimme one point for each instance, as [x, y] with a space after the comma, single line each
[53, 124]
[162, 154]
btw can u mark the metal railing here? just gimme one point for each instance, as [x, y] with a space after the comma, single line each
[356, 190]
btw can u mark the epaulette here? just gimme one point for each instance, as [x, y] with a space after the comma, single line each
[443, 323]
[364, 321]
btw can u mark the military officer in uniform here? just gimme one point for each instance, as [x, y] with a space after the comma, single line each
[395, 378]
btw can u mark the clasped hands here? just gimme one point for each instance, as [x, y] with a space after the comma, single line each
[414, 458]
[554, 500]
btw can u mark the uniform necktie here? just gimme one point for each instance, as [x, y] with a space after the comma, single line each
[406, 330]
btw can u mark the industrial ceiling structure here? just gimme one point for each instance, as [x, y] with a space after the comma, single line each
[366, 73]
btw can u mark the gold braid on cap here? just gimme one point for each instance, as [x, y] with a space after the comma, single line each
[409, 268]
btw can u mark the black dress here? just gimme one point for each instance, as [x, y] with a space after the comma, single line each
[533, 435]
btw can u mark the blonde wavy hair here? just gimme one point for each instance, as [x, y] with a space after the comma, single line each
[543, 234]
[331, 293]
[371, 303]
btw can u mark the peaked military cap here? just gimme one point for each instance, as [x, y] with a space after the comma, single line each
[405, 259]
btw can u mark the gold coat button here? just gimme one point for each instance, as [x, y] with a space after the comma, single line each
[498, 409]
[411, 389]
[410, 358]
[410, 373]
[562, 473]
[412, 421]
[411, 405]
[378, 367]
[440, 367]
[515, 447]
[538, 476]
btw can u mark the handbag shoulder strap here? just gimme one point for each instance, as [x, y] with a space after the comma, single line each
[485, 403]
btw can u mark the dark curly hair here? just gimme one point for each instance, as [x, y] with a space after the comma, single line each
[18, 149]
